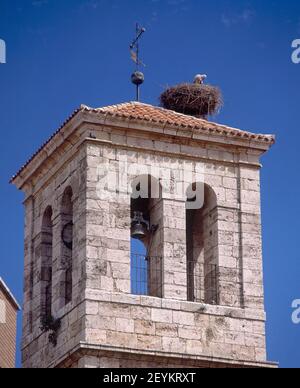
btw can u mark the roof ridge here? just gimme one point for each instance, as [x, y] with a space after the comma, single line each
[122, 104]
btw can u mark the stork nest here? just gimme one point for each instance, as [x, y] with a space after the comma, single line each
[197, 100]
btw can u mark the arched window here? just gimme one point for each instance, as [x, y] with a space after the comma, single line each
[202, 242]
[46, 264]
[67, 246]
[146, 244]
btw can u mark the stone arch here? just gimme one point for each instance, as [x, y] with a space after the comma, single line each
[202, 244]
[67, 246]
[146, 199]
[46, 263]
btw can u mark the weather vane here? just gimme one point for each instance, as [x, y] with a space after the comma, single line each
[137, 77]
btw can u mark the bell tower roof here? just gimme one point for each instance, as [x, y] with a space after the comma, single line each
[157, 115]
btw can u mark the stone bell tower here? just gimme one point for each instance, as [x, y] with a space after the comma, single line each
[190, 190]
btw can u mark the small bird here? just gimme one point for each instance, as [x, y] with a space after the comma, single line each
[199, 79]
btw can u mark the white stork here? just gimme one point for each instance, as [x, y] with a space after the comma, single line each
[199, 79]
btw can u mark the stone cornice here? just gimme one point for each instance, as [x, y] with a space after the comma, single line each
[111, 351]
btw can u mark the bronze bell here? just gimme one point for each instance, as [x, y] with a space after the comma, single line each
[139, 226]
[138, 232]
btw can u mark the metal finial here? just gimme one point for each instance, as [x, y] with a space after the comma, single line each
[137, 77]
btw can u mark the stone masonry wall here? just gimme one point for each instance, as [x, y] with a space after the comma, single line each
[172, 327]
[238, 247]
[37, 352]
[237, 243]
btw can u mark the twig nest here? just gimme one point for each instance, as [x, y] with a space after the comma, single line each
[197, 100]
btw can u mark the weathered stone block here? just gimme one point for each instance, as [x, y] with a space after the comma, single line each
[183, 318]
[174, 345]
[125, 325]
[159, 315]
[166, 330]
[144, 327]
[148, 342]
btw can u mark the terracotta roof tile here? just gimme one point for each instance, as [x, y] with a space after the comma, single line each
[145, 113]
[149, 113]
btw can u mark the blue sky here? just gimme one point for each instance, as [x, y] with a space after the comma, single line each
[61, 53]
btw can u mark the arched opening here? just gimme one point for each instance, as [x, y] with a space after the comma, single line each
[67, 245]
[46, 264]
[146, 244]
[139, 268]
[202, 242]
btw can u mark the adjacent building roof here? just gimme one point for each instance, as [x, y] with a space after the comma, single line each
[9, 294]
[151, 115]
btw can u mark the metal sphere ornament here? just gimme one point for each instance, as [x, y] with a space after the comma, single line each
[137, 78]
